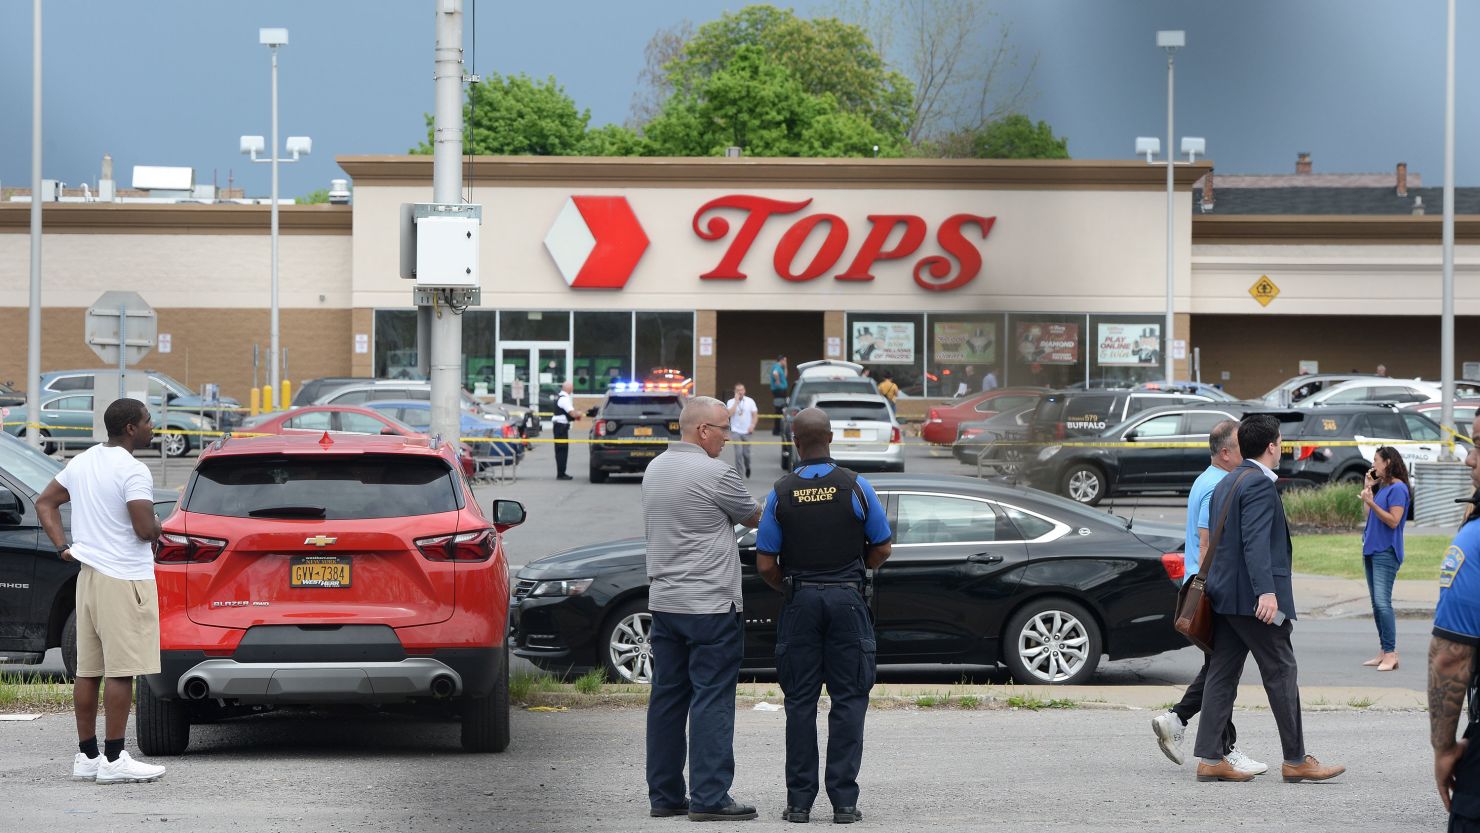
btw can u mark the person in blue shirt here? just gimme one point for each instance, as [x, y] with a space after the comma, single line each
[779, 384]
[1388, 497]
[1451, 669]
[1171, 728]
[822, 528]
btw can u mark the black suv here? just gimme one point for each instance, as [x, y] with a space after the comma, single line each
[632, 415]
[1065, 415]
[37, 588]
[1372, 426]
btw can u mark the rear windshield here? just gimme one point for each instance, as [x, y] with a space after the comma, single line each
[809, 387]
[843, 409]
[640, 406]
[345, 488]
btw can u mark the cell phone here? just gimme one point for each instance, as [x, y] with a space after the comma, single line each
[1279, 616]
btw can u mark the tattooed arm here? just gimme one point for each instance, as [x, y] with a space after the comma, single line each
[1449, 681]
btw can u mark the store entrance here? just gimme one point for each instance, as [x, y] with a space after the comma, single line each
[531, 372]
[747, 343]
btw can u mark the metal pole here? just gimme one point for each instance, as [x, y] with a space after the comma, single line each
[123, 352]
[273, 373]
[1166, 343]
[1446, 328]
[33, 318]
[446, 340]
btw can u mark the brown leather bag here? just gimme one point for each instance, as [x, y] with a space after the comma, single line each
[1194, 609]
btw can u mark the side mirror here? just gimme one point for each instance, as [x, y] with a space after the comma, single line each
[1130, 436]
[591, 411]
[163, 509]
[507, 513]
[170, 396]
[388, 431]
[10, 508]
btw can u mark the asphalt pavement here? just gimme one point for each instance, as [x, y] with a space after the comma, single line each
[1082, 769]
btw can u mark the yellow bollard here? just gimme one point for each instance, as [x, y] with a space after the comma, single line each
[287, 393]
[268, 403]
[255, 402]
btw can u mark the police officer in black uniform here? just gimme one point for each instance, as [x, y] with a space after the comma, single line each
[822, 529]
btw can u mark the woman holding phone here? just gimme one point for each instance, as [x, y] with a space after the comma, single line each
[1387, 494]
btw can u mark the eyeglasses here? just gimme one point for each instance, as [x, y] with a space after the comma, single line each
[721, 427]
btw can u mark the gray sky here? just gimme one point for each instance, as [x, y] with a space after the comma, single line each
[1358, 83]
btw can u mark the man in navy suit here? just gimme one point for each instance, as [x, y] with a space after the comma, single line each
[1253, 602]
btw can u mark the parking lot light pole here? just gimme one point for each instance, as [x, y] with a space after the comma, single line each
[297, 146]
[33, 317]
[1446, 326]
[1171, 41]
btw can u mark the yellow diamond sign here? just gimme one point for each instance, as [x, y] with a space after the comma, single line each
[1264, 290]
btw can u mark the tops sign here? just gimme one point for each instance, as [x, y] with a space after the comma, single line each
[596, 242]
[955, 269]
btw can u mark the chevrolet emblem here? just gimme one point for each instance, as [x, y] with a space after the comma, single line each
[320, 540]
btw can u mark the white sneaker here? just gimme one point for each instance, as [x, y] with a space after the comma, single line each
[1169, 730]
[126, 770]
[85, 768]
[1243, 763]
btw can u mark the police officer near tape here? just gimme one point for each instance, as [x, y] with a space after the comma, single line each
[565, 413]
[1453, 672]
[821, 530]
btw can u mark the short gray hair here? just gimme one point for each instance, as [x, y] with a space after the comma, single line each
[1223, 435]
[697, 410]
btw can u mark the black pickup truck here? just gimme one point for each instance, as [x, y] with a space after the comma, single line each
[37, 588]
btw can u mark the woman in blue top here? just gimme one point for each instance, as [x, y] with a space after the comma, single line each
[1387, 494]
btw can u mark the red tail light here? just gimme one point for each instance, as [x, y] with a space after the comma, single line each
[601, 428]
[464, 546]
[510, 431]
[187, 549]
[935, 415]
[1175, 564]
[894, 436]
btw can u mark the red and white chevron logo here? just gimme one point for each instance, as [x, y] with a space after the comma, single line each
[596, 242]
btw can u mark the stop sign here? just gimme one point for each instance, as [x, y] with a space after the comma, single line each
[126, 313]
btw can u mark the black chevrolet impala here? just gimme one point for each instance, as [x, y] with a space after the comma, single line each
[981, 574]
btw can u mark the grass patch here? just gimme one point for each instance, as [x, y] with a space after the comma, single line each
[1032, 702]
[32, 692]
[968, 701]
[930, 701]
[1332, 506]
[1360, 702]
[522, 684]
[1167, 706]
[590, 682]
[1341, 555]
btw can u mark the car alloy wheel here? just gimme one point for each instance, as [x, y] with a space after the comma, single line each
[629, 649]
[1084, 484]
[1053, 646]
[1012, 460]
[174, 445]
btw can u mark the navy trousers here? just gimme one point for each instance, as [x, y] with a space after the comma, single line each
[826, 636]
[696, 665]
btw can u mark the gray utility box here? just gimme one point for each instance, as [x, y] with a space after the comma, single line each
[439, 244]
[1436, 487]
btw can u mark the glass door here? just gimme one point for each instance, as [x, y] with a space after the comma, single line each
[531, 372]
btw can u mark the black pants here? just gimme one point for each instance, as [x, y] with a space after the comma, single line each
[1234, 638]
[1192, 701]
[696, 664]
[778, 403]
[562, 450]
[825, 636]
[1464, 809]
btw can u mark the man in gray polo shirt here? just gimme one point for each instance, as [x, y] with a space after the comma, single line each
[691, 501]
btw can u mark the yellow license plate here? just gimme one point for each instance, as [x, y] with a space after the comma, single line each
[852, 434]
[324, 571]
[642, 431]
[644, 454]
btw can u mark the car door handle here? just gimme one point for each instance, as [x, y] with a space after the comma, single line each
[984, 558]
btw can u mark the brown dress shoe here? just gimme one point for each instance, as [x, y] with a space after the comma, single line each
[1221, 771]
[1310, 770]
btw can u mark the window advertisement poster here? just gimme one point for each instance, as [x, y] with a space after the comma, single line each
[1129, 345]
[965, 342]
[884, 342]
[1041, 342]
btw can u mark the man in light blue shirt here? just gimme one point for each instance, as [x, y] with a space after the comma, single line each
[1172, 726]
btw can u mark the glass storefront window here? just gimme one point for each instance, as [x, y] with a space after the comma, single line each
[603, 350]
[1126, 350]
[892, 343]
[480, 360]
[535, 326]
[1045, 349]
[395, 344]
[970, 347]
[665, 341]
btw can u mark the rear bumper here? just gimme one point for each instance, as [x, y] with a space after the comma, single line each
[872, 454]
[626, 457]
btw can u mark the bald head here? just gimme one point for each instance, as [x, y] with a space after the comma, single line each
[811, 430]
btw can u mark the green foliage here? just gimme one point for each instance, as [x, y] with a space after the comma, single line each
[318, 197]
[518, 116]
[1341, 555]
[825, 56]
[591, 681]
[614, 140]
[756, 103]
[928, 701]
[968, 701]
[1032, 702]
[524, 683]
[32, 692]
[1360, 702]
[1332, 506]
[1012, 137]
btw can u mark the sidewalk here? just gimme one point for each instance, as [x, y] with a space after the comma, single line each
[1329, 597]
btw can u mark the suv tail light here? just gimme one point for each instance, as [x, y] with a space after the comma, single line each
[1304, 452]
[894, 436]
[463, 546]
[510, 430]
[934, 415]
[187, 549]
[1175, 564]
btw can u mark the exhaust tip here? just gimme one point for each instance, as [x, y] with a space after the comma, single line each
[196, 689]
[443, 686]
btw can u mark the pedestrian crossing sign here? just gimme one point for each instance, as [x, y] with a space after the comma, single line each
[1264, 290]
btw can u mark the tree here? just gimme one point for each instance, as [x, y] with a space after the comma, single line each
[955, 83]
[825, 56]
[518, 116]
[757, 104]
[1012, 137]
[318, 197]
[614, 140]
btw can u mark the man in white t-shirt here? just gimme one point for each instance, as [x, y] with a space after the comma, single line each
[743, 416]
[112, 533]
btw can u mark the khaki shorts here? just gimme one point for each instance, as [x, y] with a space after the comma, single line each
[117, 626]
